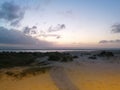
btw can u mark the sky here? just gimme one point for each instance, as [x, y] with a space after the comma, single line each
[38, 24]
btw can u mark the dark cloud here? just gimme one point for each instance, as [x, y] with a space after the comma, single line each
[116, 28]
[15, 23]
[11, 12]
[28, 30]
[34, 27]
[110, 41]
[56, 28]
[34, 31]
[16, 37]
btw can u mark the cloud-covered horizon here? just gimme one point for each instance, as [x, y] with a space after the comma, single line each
[12, 14]
[15, 37]
[115, 29]
[109, 41]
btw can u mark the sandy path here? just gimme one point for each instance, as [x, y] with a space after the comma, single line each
[61, 79]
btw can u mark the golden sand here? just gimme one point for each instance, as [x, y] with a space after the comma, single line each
[100, 77]
[84, 76]
[39, 82]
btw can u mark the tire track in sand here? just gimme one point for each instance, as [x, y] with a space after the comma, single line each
[61, 79]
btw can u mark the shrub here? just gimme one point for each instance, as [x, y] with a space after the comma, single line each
[75, 56]
[63, 57]
[92, 57]
[106, 53]
[12, 59]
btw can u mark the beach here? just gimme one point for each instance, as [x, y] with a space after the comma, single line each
[80, 74]
[59, 44]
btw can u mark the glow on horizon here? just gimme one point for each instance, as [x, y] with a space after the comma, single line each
[87, 21]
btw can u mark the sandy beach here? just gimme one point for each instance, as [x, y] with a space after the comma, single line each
[79, 74]
[59, 44]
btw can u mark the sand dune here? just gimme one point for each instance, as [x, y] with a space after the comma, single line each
[69, 76]
[77, 75]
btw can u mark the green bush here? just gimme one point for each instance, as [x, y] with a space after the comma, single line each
[106, 54]
[63, 57]
[12, 59]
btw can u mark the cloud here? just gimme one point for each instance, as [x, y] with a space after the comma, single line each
[33, 31]
[11, 12]
[50, 35]
[26, 30]
[110, 41]
[34, 27]
[56, 28]
[30, 31]
[116, 28]
[15, 37]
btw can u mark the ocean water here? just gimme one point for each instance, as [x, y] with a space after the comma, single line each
[44, 50]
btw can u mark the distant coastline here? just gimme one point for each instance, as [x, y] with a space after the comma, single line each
[44, 50]
[56, 50]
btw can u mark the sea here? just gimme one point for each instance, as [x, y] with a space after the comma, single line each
[44, 50]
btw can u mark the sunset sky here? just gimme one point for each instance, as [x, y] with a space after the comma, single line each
[59, 24]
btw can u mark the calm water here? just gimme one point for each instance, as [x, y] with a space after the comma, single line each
[45, 50]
